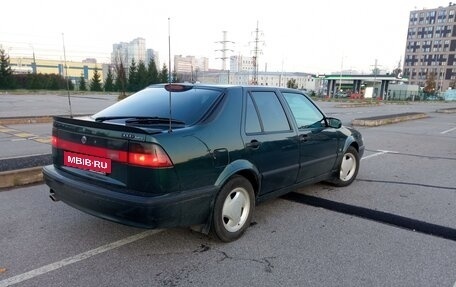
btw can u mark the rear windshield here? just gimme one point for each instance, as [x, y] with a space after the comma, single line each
[187, 106]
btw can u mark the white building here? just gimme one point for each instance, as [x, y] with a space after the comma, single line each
[190, 64]
[303, 81]
[241, 64]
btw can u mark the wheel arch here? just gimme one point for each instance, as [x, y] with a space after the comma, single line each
[243, 168]
[350, 142]
[239, 167]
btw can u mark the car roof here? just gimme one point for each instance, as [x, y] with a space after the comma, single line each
[225, 86]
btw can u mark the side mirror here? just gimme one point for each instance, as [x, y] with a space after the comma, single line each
[333, 123]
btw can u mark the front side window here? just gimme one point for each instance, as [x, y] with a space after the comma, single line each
[304, 112]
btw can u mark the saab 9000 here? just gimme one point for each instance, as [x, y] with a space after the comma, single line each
[175, 155]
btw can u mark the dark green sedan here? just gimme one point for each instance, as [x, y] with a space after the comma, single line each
[176, 155]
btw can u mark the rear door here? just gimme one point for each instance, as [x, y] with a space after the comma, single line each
[270, 142]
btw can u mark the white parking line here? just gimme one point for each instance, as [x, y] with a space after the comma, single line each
[448, 131]
[70, 260]
[379, 152]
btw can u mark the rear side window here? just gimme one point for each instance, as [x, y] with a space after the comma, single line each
[187, 106]
[265, 113]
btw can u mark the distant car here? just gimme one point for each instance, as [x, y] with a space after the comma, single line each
[184, 155]
[433, 98]
[341, 95]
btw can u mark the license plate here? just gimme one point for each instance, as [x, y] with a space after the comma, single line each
[87, 162]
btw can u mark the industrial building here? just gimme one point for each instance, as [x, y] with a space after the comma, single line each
[74, 70]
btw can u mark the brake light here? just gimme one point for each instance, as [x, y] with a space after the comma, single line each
[177, 87]
[149, 155]
[54, 141]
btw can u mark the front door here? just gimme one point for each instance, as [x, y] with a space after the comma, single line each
[318, 142]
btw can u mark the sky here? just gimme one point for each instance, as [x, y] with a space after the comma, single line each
[294, 36]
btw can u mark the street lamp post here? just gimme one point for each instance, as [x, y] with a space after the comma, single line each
[442, 76]
[34, 60]
[341, 69]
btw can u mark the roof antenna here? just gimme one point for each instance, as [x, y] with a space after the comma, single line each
[169, 73]
[66, 76]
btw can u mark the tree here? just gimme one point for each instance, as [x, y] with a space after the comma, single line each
[121, 77]
[291, 83]
[95, 83]
[53, 82]
[142, 76]
[152, 73]
[132, 77]
[82, 83]
[109, 82]
[163, 76]
[430, 85]
[6, 78]
[397, 73]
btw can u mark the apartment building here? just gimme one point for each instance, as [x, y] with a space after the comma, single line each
[133, 50]
[431, 46]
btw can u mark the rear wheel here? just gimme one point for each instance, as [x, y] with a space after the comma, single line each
[233, 209]
[348, 169]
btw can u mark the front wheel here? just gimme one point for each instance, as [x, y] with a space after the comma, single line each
[348, 169]
[233, 209]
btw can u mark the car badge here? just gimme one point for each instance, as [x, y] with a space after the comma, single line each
[83, 139]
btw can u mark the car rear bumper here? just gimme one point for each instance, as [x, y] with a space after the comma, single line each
[170, 210]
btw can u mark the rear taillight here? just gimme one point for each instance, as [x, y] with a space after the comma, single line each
[150, 155]
[141, 154]
[54, 141]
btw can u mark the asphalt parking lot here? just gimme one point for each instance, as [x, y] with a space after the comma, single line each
[394, 226]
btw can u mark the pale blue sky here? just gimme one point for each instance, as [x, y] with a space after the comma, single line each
[304, 36]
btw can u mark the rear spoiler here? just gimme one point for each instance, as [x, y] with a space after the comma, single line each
[91, 123]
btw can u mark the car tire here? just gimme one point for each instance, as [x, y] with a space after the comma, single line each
[348, 168]
[233, 209]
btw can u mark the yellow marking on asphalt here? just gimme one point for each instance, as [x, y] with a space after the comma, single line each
[43, 140]
[7, 130]
[24, 135]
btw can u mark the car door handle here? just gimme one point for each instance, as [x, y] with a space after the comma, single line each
[253, 144]
[303, 137]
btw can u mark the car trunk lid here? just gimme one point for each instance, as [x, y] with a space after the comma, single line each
[115, 155]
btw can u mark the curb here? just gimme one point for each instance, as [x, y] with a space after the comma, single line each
[25, 120]
[33, 119]
[356, 105]
[447, 110]
[20, 177]
[390, 119]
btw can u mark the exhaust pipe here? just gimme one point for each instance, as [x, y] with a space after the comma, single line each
[52, 196]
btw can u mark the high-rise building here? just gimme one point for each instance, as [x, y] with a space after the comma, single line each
[431, 46]
[134, 50]
[152, 54]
